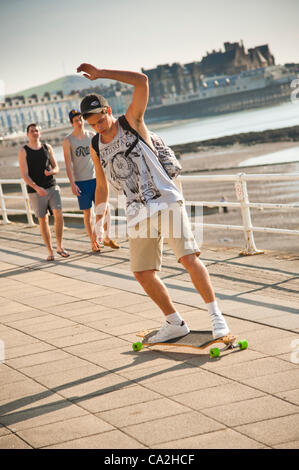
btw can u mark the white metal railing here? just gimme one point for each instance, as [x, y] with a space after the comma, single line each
[240, 185]
[240, 181]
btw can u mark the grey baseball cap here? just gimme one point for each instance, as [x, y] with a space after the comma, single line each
[93, 104]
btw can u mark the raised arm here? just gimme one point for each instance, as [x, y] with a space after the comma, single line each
[137, 107]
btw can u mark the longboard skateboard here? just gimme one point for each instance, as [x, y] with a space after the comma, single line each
[195, 339]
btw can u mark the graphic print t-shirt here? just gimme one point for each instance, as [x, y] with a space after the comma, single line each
[83, 167]
[139, 175]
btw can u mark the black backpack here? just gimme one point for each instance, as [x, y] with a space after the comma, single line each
[164, 154]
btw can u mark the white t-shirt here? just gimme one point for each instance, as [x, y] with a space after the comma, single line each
[139, 175]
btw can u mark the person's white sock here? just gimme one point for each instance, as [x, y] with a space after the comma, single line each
[174, 318]
[213, 308]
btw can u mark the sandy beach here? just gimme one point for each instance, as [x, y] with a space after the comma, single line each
[215, 160]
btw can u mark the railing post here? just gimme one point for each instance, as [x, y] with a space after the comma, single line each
[27, 204]
[3, 206]
[242, 196]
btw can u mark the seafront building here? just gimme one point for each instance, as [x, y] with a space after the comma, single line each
[180, 79]
[49, 110]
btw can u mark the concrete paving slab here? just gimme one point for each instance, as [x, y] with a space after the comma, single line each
[28, 315]
[173, 428]
[11, 441]
[227, 392]
[42, 358]
[119, 398]
[227, 438]
[107, 440]
[276, 382]
[142, 412]
[291, 396]
[26, 387]
[22, 351]
[4, 431]
[65, 430]
[250, 410]
[69, 378]
[41, 413]
[195, 381]
[92, 347]
[272, 432]
[253, 369]
[77, 335]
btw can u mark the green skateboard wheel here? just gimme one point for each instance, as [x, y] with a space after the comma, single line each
[137, 346]
[243, 344]
[214, 352]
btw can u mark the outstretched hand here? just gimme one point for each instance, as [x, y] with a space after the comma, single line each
[91, 72]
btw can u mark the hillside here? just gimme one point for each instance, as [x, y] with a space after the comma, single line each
[66, 84]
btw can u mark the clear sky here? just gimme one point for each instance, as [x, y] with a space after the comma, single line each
[41, 40]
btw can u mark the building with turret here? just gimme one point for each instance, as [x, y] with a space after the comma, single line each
[179, 79]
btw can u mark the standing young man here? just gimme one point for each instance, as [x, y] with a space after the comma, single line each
[38, 167]
[81, 173]
[135, 167]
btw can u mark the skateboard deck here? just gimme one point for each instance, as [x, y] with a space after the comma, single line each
[195, 339]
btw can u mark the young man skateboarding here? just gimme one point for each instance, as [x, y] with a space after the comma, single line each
[38, 167]
[134, 166]
[80, 170]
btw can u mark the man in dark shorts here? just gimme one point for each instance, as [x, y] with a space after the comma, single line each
[38, 167]
[81, 173]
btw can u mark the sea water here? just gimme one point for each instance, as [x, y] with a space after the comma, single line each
[253, 120]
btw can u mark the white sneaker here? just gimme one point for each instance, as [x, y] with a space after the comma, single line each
[169, 331]
[219, 325]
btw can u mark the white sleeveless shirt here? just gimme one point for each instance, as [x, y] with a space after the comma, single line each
[139, 175]
[83, 166]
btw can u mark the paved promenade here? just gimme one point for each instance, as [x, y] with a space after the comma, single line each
[70, 378]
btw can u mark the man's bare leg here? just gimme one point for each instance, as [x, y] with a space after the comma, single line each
[202, 283]
[46, 234]
[199, 276]
[87, 217]
[156, 290]
[59, 227]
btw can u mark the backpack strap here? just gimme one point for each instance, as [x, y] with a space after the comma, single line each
[95, 143]
[126, 126]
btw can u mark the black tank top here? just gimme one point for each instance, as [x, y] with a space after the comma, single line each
[38, 161]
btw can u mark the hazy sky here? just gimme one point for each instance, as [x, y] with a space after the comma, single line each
[41, 40]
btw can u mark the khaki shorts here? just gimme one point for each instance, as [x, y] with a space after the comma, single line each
[40, 204]
[146, 238]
